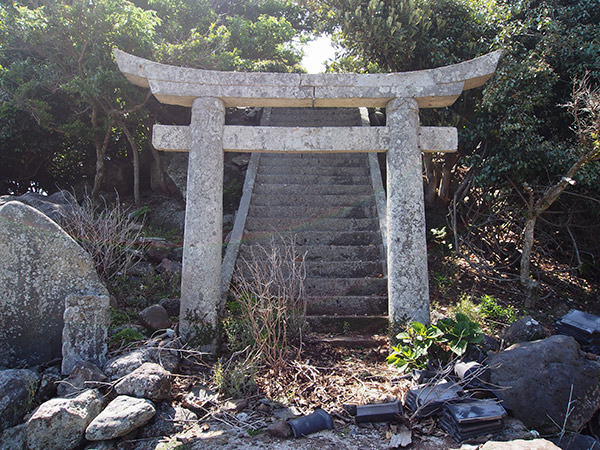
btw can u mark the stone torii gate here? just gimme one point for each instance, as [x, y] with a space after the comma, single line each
[208, 93]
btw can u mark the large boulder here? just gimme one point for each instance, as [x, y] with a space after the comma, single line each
[17, 394]
[535, 380]
[60, 423]
[41, 266]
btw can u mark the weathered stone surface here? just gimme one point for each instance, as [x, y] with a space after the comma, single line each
[148, 381]
[85, 331]
[84, 375]
[535, 379]
[41, 267]
[162, 352]
[168, 267]
[202, 253]
[17, 394]
[157, 249]
[123, 415]
[56, 206]
[524, 330]
[155, 317]
[170, 418]
[48, 385]
[519, 444]
[141, 269]
[14, 438]
[408, 290]
[176, 165]
[60, 423]
[180, 85]
[171, 305]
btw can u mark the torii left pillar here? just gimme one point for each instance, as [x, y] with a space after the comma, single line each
[202, 254]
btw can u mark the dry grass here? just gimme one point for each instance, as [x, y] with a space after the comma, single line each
[108, 234]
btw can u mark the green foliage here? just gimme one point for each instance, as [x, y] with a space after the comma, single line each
[64, 104]
[237, 377]
[421, 343]
[125, 337]
[495, 313]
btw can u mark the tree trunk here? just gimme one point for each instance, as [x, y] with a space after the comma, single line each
[449, 162]
[431, 178]
[136, 161]
[101, 147]
[526, 281]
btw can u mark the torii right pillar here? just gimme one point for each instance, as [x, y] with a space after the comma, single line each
[408, 288]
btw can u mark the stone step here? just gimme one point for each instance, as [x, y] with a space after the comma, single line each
[314, 212]
[345, 286]
[312, 155]
[348, 324]
[287, 225]
[309, 199]
[358, 305]
[330, 269]
[318, 237]
[314, 170]
[328, 253]
[312, 179]
[313, 162]
[312, 189]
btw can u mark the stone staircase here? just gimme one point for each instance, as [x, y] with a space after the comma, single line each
[326, 201]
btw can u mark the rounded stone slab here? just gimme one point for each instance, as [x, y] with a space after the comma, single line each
[431, 88]
[40, 269]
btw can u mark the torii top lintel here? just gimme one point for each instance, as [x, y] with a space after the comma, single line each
[431, 88]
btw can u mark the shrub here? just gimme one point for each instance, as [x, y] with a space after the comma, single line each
[270, 290]
[108, 234]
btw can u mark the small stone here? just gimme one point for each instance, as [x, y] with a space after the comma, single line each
[168, 267]
[176, 254]
[155, 317]
[48, 386]
[123, 415]
[148, 381]
[236, 405]
[60, 423]
[157, 249]
[519, 444]
[280, 429]
[17, 393]
[169, 420]
[524, 330]
[141, 269]
[171, 305]
[85, 375]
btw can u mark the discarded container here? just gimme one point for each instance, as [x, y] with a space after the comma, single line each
[472, 372]
[381, 412]
[317, 421]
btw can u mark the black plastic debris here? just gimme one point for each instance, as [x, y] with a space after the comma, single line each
[379, 412]
[317, 421]
[584, 327]
[427, 400]
[469, 419]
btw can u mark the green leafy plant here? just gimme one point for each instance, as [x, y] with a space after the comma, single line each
[460, 333]
[125, 337]
[494, 313]
[420, 343]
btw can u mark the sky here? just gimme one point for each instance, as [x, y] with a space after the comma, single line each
[316, 52]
